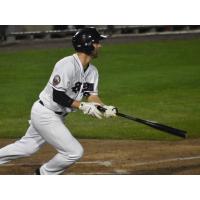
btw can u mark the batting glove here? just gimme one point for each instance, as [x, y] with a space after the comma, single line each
[90, 109]
[110, 111]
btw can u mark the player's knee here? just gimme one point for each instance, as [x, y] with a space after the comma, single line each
[80, 152]
[75, 154]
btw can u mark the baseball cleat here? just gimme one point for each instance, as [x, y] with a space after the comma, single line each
[37, 171]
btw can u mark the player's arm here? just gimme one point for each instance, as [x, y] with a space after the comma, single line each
[64, 100]
[88, 108]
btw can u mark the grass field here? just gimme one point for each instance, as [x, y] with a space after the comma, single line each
[152, 80]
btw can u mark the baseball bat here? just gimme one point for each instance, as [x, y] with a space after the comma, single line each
[156, 125]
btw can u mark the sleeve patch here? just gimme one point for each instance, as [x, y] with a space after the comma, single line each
[56, 80]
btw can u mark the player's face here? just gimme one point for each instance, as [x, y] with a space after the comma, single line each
[95, 52]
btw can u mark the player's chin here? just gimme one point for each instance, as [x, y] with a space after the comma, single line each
[95, 54]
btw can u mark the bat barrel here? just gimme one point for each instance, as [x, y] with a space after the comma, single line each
[158, 126]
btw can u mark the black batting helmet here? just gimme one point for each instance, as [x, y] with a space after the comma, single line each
[84, 39]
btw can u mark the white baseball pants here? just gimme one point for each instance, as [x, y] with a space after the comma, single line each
[45, 126]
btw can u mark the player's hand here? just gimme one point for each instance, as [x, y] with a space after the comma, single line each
[90, 109]
[110, 111]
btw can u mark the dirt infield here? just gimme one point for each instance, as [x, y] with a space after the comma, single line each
[120, 157]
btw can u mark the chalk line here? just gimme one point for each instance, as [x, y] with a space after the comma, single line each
[102, 163]
[166, 160]
[109, 163]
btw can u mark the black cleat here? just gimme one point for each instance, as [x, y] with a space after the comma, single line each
[37, 171]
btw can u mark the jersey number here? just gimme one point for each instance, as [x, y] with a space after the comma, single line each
[87, 87]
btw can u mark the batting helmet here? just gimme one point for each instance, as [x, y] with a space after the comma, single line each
[84, 39]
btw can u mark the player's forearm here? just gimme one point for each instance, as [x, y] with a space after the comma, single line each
[95, 98]
[75, 104]
[92, 98]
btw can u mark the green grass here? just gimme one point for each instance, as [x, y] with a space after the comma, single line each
[152, 80]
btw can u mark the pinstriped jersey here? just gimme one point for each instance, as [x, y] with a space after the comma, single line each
[69, 76]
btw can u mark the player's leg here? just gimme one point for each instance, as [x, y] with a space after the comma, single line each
[69, 149]
[24, 147]
[51, 127]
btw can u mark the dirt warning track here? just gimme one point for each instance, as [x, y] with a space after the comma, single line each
[129, 157]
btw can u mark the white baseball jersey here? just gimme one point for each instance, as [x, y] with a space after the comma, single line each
[69, 76]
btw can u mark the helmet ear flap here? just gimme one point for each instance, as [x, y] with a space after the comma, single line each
[89, 48]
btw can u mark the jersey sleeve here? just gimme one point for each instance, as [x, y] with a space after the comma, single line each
[61, 76]
[91, 86]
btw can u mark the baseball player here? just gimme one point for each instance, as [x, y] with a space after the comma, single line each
[73, 78]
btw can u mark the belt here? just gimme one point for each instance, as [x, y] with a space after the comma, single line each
[58, 113]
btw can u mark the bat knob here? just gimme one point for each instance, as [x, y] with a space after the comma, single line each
[116, 110]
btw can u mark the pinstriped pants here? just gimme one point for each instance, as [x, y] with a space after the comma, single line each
[45, 126]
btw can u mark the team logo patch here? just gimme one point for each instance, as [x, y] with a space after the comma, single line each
[56, 80]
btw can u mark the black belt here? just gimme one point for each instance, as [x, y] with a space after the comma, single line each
[58, 113]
